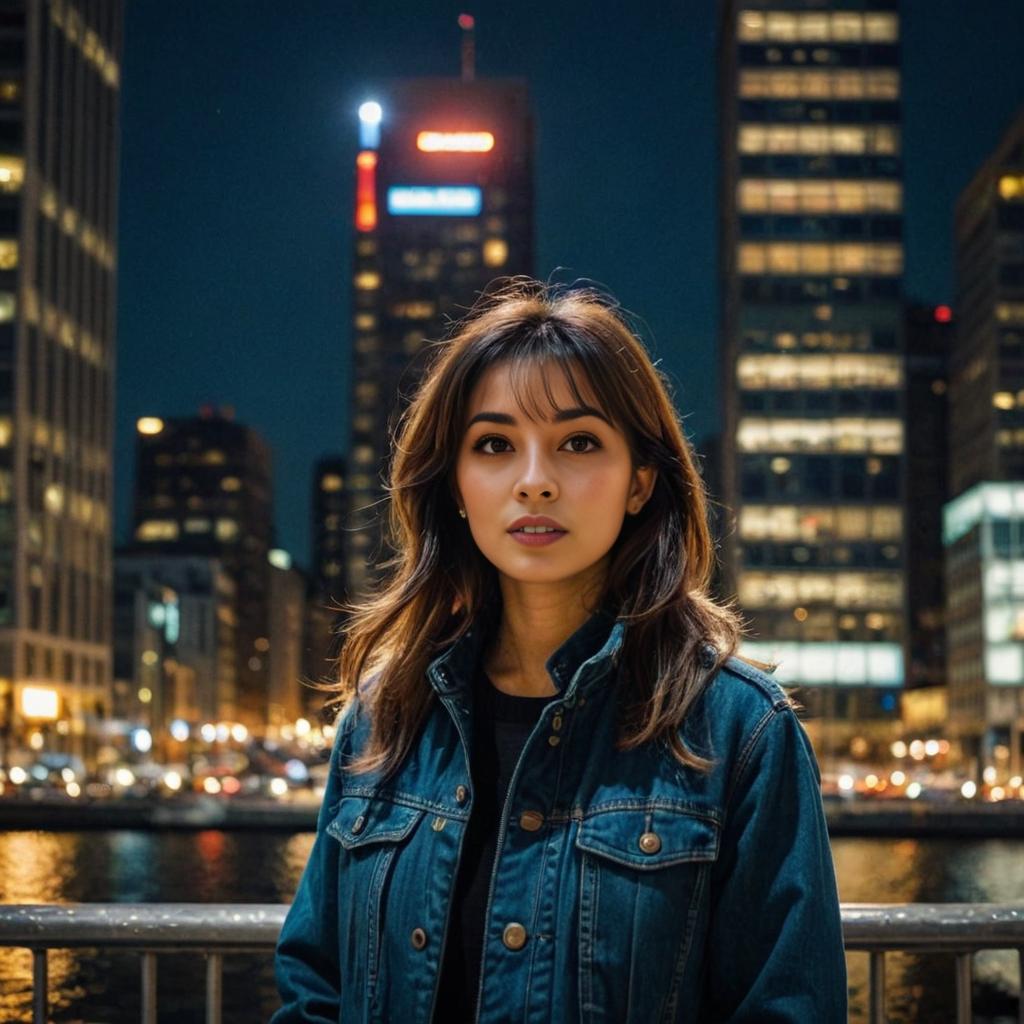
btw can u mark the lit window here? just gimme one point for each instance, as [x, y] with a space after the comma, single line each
[823, 372]
[157, 529]
[8, 254]
[363, 454]
[1011, 186]
[418, 310]
[1004, 400]
[822, 139]
[197, 524]
[878, 258]
[213, 457]
[881, 28]
[6, 430]
[330, 482]
[8, 307]
[10, 90]
[365, 321]
[12, 173]
[367, 280]
[846, 434]
[230, 483]
[495, 252]
[227, 529]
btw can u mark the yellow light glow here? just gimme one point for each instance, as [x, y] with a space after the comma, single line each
[1011, 186]
[455, 142]
[145, 695]
[149, 425]
[495, 252]
[39, 702]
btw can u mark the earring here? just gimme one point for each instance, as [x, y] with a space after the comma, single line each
[462, 512]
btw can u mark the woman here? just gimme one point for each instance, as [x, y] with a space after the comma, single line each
[555, 795]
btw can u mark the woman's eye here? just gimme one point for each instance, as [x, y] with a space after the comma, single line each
[481, 445]
[578, 441]
[584, 439]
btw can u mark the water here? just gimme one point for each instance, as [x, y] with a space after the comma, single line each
[193, 867]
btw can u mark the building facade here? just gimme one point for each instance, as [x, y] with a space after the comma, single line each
[203, 487]
[984, 523]
[444, 204]
[812, 354]
[59, 115]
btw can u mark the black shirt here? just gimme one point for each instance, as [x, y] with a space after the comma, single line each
[501, 725]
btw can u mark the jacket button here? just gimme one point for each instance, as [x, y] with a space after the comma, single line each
[553, 741]
[530, 821]
[707, 654]
[514, 935]
[460, 794]
[650, 842]
[357, 825]
[418, 938]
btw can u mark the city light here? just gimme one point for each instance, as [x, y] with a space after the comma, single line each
[208, 731]
[370, 112]
[968, 789]
[370, 116]
[279, 558]
[943, 314]
[172, 780]
[17, 775]
[73, 789]
[455, 142]
[897, 778]
[914, 790]
[149, 425]
[435, 200]
[179, 730]
[302, 727]
[124, 777]
[39, 702]
[989, 775]
[278, 787]
[211, 785]
[899, 749]
[846, 783]
[366, 191]
[142, 740]
[239, 733]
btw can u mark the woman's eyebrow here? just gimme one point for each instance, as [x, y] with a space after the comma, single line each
[573, 413]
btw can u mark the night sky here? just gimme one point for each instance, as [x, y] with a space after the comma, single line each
[239, 138]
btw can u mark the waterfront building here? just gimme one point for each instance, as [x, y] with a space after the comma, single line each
[60, 70]
[812, 355]
[174, 642]
[203, 486]
[984, 523]
[329, 547]
[444, 204]
[287, 617]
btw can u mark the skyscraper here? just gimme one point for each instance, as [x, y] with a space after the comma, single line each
[59, 112]
[203, 487]
[812, 357]
[984, 523]
[444, 204]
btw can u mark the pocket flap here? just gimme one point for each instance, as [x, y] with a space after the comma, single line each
[649, 838]
[361, 821]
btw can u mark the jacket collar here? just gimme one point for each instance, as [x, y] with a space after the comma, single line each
[574, 665]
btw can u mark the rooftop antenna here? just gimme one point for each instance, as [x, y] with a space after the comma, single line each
[467, 23]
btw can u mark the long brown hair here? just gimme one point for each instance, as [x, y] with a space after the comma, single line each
[438, 583]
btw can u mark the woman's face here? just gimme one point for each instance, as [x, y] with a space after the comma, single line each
[573, 467]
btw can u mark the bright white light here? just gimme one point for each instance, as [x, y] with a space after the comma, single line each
[179, 730]
[208, 732]
[279, 558]
[846, 783]
[124, 777]
[968, 789]
[1016, 782]
[142, 740]
[989, 775]
[73, 789]
[917, 750]
[67, 774]
[296, 770]
[172, 780]
[302, 727]
[211, 785]
[914, 790]
[897, 778]
[18, 775]
[239, 733]
[998, 793]
[931, 748]
[871, 781]
[35, 741]
[370, 112]
[278, 787]
[223, 732]
[899, 749]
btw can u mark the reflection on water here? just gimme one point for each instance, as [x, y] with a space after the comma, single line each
[932, 871]
[253, 867]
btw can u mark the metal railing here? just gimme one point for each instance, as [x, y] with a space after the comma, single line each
[219, 929]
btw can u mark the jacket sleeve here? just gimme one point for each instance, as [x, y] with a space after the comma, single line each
[775, 945]
[306, 958]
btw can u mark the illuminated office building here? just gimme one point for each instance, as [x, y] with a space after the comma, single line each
[444, 204]
[984, 523]
[59, 115]
[203, 486]
[329, 501]
[812, 354]
[286, 627]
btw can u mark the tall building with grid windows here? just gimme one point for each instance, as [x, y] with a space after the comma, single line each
[812, 354]
[984, 523]
[444, 204]
[59, 111]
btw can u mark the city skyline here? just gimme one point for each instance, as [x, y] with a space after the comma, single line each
[236, 210]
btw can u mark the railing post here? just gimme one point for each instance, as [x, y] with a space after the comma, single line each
[39, 986]
[148, 988]
[214, 987]
[876, 986]
[1020, 987]
[963, 988]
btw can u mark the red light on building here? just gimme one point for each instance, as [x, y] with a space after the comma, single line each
[943, 314]
[366, 191]
[455, 142]
[466, 22]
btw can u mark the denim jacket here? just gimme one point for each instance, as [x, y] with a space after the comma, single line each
[626, 889]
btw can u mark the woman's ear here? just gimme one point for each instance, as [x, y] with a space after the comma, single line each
[644, 479]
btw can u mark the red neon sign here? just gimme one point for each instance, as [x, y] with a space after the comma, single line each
[366, 191]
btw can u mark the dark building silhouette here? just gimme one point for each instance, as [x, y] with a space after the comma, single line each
[444, 204]
[984, 523]
[328, 517]
[812, 354]
[59, 115]
[203, 486]
[929, 340]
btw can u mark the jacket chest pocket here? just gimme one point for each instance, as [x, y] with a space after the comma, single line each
[371, 832]
[643, 871]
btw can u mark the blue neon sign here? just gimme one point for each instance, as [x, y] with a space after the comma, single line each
[435, 200]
